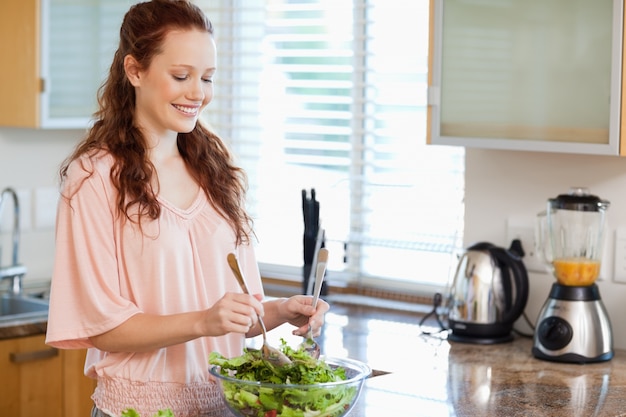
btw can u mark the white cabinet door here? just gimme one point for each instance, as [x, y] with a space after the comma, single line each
[527, 74]
[78, 40]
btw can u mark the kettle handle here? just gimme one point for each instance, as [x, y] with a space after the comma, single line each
[511, 261]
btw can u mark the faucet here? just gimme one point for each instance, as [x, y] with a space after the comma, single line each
[14, 272]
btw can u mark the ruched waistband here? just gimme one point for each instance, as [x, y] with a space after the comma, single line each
[202, 399]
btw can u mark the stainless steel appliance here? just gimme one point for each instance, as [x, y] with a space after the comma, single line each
[489, 292]
[573, 325]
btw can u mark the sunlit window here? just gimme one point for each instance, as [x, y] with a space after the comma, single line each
[331, 95]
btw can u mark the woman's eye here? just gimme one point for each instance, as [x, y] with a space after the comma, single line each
[207, 80]
[180, 77]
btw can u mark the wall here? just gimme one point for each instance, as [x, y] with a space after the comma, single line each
[503, 185]
[29, 162]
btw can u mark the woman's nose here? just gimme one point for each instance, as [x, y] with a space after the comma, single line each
[196, 90]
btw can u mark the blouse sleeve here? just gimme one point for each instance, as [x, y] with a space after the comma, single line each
[85, 295]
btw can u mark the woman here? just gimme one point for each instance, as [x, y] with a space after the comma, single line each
[151, 206]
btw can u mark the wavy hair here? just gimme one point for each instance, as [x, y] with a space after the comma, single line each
[142, 34]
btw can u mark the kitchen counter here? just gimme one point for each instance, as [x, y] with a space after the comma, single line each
[430, 376]
[426, 375]
[450, 379]
[23, 328]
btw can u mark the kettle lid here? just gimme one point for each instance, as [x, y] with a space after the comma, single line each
[578, 199]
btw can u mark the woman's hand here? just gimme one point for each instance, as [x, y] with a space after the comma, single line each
[233, 313]
[297, 311]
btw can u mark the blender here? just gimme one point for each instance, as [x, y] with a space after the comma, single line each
[573, 325]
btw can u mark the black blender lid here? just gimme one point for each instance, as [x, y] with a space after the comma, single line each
[579, 199]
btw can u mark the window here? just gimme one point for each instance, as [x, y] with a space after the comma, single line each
[331, 95]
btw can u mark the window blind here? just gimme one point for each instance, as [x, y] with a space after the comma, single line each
[331, 95]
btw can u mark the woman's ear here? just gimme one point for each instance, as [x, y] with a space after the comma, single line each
[132, 70]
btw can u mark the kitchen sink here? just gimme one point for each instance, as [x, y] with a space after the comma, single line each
[21, 308]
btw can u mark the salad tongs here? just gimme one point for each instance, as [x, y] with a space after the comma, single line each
[309, 344]
[270, 353]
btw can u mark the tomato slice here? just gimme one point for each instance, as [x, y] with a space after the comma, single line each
[271, 413]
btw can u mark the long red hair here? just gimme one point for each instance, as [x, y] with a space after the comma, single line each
[142, 33]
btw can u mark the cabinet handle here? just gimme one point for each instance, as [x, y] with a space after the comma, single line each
[34, 355]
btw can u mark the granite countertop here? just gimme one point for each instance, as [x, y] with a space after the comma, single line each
[426, 375]
[23, 328]
[452, 379]
[431, 376]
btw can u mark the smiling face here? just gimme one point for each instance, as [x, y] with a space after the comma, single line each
[175, 88]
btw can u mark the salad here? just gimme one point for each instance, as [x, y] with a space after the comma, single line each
[244, 395]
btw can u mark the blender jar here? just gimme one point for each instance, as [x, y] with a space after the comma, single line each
[575, 228]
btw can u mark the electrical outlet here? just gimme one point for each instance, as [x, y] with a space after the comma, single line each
[526, 234]
[46, 199]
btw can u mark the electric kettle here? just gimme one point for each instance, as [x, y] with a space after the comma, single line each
[488, 294]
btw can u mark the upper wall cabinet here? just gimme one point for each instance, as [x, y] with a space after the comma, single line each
[55, 54]
[526, 74]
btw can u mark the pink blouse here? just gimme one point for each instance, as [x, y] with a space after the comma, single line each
[106, 270]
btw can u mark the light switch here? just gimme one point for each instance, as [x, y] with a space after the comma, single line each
[46, 200]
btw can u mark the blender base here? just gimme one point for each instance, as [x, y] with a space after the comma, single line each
[571, 357]
[573, 326]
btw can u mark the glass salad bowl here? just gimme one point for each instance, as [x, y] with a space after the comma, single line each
[247, 398]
